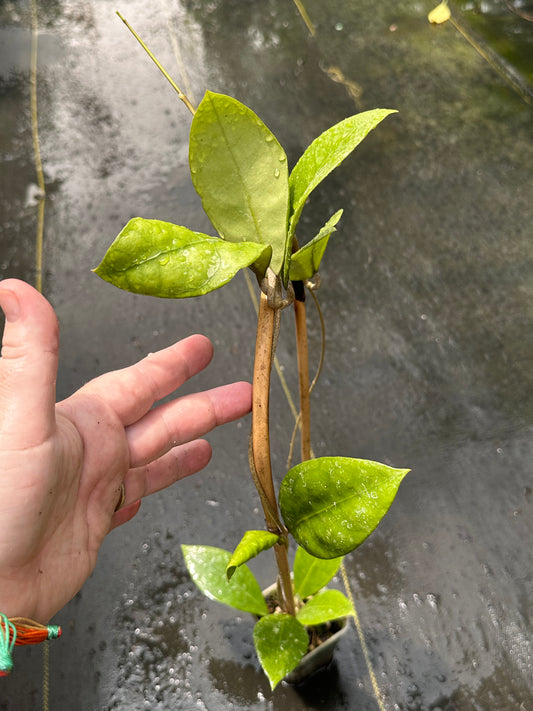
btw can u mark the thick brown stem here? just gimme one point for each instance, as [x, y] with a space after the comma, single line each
[260, 403]
[282, 559]
[303, 379]
[261, 439]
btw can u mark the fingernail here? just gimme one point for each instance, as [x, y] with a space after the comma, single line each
[10, 305]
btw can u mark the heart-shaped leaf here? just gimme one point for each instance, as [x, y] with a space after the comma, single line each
[332, 504]
[312, 574]
[280, 642]
[161, 259]
[326, 153]
[240, 171]
[305, 262]
[326, 606]
[252, 543]
[207, 567]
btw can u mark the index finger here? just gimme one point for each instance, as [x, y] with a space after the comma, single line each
[132, 391]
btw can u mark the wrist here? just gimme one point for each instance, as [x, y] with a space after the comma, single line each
[21, 631]
[17, 599]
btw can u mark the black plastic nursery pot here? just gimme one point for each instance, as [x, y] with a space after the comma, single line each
[321, 656]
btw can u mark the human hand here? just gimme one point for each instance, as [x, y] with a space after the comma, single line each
[62, 466]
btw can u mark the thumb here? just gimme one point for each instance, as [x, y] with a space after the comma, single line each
[28, 366]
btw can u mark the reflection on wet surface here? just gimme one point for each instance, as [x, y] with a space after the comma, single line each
[427, 292]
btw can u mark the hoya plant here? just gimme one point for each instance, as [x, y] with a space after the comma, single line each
[329, 505]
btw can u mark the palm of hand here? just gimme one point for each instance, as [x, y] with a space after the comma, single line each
[60, 513]
[62, 466]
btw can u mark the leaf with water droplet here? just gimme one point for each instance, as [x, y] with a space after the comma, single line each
[332, 504]
[311, 574]
[207, 567]
[236, 170]
[305, 262]
[252, 543]
[326, 153]
[161, 259]
[280, 642]
[327, 605]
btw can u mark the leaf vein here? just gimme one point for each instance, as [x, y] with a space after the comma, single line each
[239, 173]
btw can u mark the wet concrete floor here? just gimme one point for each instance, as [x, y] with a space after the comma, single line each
[428, 297]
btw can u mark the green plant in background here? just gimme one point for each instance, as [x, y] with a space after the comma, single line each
[329, 505]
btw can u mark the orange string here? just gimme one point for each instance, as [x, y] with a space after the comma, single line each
[30, 632]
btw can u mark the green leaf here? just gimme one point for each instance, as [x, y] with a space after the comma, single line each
[305, 262]
[207, 567]
[332, 504]
[311, 574]
[161, 259]
[326, 153]
[280, 642]
[240, 171]
[326, 606]
[252, 543]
